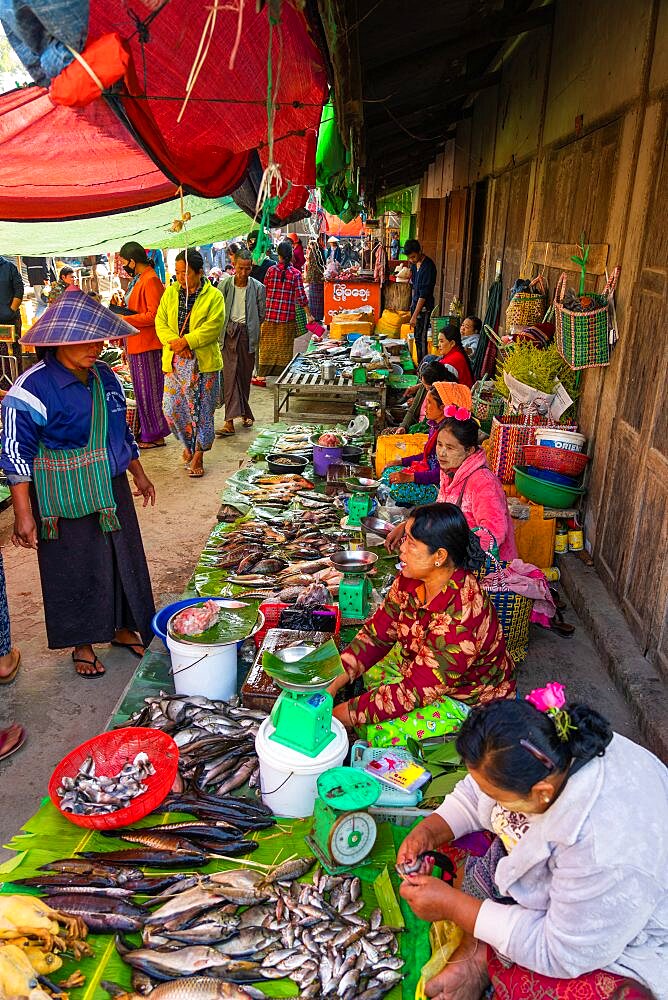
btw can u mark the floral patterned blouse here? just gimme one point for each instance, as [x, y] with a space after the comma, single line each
[454, 646]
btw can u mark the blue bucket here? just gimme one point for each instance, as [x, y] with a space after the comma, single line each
[161, 618]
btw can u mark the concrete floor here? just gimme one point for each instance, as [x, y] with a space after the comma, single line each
[61, 710]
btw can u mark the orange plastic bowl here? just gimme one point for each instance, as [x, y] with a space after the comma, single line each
[111, 751]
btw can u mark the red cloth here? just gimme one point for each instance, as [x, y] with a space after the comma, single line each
[479, 493]
[144, 299]
[64, 163]
[516, 983]
[108, 58]
[454, 647]
[457, 359]
[282, 295]
[298, 258]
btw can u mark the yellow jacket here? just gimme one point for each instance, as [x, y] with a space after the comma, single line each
[206, 323]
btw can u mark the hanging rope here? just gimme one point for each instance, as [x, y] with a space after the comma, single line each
[271, 186]
[205, 44]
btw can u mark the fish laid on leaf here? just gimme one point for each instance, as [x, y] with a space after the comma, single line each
[195, 988]
[91, 794]
[151, 858]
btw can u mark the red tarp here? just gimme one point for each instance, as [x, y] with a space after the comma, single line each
[65, 162]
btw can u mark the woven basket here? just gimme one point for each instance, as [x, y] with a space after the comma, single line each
[582, 337]
[132, 417]
[486, 404]
[514, 610]
[508, 437]
[568, 463]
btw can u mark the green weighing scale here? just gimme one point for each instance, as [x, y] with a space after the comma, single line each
[343, 832]
[302, 714]
[360, 500]
[355, 588]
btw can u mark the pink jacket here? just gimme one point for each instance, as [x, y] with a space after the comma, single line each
[479, 493]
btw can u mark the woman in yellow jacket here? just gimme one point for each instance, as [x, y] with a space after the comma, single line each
[189, 323]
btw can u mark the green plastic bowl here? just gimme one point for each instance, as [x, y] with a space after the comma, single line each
[547, 494]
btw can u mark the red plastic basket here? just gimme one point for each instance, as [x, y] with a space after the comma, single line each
[111, 751]
[272, 615]
[568, 463]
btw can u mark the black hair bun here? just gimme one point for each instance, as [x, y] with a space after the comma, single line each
[591, 735]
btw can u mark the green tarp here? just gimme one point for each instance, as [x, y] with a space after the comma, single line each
[212, 220]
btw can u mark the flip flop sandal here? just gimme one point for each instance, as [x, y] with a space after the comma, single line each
[225, 434]
[247, 422]
[132, 647]
[10, 678]
[17, 745]
[149, 445]
[91, 663]
[561, 627]
[259, 381]
[196, 473]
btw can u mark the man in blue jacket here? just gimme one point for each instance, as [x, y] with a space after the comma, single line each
[423, 280]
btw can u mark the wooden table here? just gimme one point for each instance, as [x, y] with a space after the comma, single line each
[292, 383]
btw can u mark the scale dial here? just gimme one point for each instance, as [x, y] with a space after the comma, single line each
[351, 838]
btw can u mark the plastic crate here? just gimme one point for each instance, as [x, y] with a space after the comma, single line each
[272, 614]
[360, 755]
[406, 816]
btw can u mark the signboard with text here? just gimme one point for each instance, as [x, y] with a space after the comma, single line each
[351, 295]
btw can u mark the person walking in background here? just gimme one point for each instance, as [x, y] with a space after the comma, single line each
[423, 281]
[333, 250]
[189, 322]
[259, 271]
[298, 258]
[145, 350]
[11, 294]
[285, 292]
[314, 276]
[66, 451]
[244, 312]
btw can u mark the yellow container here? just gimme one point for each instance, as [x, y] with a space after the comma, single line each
[391, 448]
[575, 540]
[535, 537]
[340, 328]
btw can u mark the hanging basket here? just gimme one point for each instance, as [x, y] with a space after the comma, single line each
[486, 404]
[582, 337]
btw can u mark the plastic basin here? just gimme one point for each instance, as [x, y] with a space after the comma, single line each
[161, 618]
[547, 494]
[548, 476]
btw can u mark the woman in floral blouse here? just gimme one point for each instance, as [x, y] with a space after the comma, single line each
[450, 638]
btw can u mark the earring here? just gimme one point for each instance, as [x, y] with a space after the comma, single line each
[546, 799]
[436, 563]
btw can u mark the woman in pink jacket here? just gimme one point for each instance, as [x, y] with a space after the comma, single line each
[468, 482]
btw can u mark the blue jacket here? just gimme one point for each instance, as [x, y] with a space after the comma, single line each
[48, 403]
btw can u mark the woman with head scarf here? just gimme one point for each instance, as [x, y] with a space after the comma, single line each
[144, 351]
[189, 324]
[285, 293]
[66, 451]
[298, 258]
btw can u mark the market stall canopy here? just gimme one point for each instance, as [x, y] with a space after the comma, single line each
[212, 220]
[147, 60]
[337, 227]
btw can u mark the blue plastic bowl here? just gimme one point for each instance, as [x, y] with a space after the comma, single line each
[558, 478]
[161, 618]
[352, 337]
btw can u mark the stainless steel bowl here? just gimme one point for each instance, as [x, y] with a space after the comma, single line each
[377, 526]
[348, 561]
[358, 484]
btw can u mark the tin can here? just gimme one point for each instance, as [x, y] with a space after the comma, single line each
[575, 540]
[561, 540]
[552, 573]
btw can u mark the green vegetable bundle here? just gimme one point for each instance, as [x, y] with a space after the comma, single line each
[541, 368]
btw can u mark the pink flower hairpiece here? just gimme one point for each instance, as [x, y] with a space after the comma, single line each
[551, 700]
[458, 412]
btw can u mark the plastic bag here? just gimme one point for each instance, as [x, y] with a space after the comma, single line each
[444, 937]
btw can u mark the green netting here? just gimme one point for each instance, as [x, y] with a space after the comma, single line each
[338, 191]
[212, 220]
[399, 201]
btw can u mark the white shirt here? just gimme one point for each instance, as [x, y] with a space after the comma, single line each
[238, 311]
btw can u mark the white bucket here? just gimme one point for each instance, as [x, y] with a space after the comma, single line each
[554, 438]
[204, 670]
[288, 779]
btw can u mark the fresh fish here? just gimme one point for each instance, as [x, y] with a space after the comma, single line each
[88, 793]
[192, 901]
[209, 929]
[197, 988]
[247, 942]
[152, 859]
[156, 840]
[289, 870]
[94, 869]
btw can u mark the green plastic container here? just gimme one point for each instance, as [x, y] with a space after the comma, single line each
[547, 494]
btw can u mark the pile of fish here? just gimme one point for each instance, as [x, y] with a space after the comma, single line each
[312, 933]
[296, 439]
[277, 488]
[89, 794]
[216, 741]
[281, 563]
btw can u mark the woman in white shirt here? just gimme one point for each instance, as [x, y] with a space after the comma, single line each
[570, 899]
